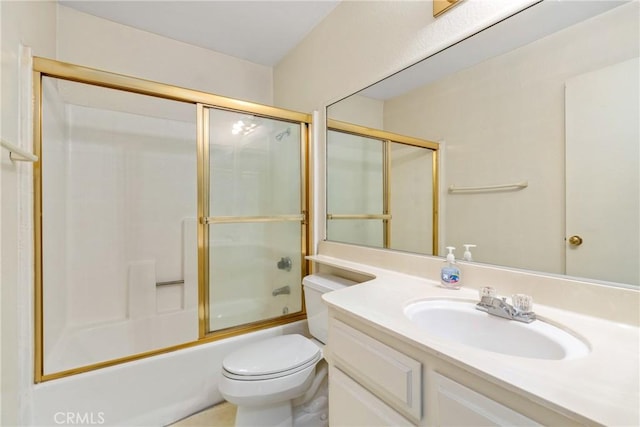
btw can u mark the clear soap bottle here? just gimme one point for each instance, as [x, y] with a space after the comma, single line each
[450, 273]
[467, 252]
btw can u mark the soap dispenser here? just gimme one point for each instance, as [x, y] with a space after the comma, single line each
[450, 273]
[467, 253]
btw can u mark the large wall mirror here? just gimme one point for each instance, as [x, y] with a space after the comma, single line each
[537, 123]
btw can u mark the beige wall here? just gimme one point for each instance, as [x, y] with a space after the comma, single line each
[32, 24]
[359, 109]
[361, 42]
[86, 40]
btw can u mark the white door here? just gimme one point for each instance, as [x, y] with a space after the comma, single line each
[602, 178]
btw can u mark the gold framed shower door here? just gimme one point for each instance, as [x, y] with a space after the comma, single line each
[43, 67]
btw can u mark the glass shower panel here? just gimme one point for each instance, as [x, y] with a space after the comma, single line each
[411, 198]
[367, 232]
[119, 231]
[255, 218]
[355, 189]
[255, 272]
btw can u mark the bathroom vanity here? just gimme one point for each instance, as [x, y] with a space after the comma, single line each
[377, 380]
[386, 369]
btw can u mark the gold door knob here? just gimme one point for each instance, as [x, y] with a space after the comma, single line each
[575, 240]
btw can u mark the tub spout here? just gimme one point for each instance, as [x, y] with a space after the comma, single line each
[284, 290]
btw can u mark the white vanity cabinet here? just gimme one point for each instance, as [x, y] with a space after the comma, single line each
[458, 405]
[359, 360]
[376, 379]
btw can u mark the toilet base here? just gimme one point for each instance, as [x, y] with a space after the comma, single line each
[315, 412]
[276, 415]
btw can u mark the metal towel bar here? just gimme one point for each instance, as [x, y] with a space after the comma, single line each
[516, 185]
[171, 282]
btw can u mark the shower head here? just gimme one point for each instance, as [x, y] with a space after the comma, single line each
[283, 134]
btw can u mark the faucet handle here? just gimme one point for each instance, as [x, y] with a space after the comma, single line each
[487, 291]
[523, 303]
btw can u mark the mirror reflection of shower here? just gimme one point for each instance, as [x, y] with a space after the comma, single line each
[381, 189]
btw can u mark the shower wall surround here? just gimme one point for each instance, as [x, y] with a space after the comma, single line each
[149, 56]
[119, 204]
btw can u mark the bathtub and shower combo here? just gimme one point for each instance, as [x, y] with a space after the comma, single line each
[170, 229]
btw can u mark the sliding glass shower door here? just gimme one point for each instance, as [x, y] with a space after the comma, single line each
[255, 217]
[164, 217]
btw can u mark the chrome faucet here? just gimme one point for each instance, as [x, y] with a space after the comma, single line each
[520, 310]
[284, 290]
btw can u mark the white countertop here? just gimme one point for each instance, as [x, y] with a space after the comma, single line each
[602, 387]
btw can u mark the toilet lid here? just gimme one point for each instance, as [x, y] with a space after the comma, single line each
[272, 356]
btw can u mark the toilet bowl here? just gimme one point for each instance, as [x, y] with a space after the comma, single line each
[267, 379]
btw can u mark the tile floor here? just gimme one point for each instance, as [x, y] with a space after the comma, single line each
[221, 415]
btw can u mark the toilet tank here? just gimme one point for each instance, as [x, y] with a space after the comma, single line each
[317, 312]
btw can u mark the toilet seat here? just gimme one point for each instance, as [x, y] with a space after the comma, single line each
[266, 379]
[271, 358]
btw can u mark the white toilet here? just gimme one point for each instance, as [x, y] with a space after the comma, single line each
[279, 381]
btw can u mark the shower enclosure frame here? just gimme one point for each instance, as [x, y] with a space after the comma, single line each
[43, 67]
[387, 138]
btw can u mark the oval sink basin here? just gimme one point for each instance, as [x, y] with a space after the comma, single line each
[459, 321]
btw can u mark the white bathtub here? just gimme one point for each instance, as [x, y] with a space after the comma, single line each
[83, 346]
[107, 341]
[155, 391]
[236, 312]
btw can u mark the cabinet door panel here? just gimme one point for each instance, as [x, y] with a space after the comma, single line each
[385, 371]
[461, 406]
[352, 405]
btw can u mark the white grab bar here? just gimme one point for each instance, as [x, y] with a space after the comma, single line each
[18, 154]
[516, 185]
